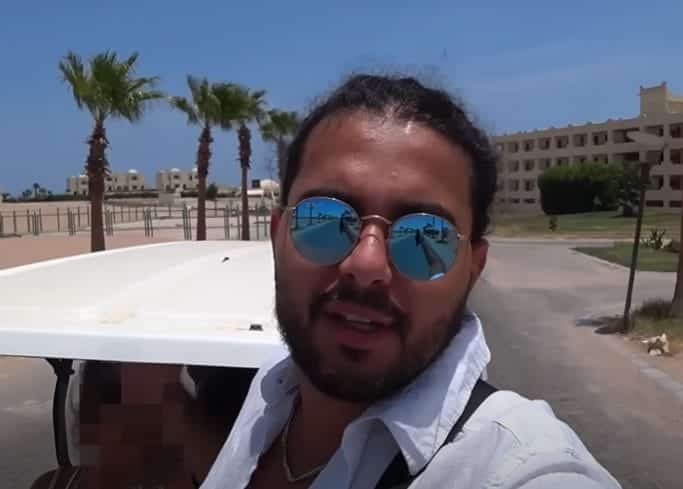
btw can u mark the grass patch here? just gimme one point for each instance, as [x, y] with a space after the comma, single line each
[649, 259]
[587, 225]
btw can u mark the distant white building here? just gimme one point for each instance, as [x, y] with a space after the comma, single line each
[176, 179]
[263, 188]
[130, 181]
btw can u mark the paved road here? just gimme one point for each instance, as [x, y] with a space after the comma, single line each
[26, 442]
[528, 301]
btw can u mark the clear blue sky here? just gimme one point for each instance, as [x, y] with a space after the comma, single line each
[520, 65]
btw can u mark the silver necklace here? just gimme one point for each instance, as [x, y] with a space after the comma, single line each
[285, 464]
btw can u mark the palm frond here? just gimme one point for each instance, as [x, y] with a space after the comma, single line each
[187, 107]
[279, 125]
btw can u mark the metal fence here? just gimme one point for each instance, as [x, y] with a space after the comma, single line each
[123, 217]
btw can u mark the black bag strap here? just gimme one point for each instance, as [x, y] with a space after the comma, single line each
[398, 476]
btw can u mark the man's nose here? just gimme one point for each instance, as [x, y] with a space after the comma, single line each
[368, 264]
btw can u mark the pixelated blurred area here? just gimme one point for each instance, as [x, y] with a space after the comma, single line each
[141, 428]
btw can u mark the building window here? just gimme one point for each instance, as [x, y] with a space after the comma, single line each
[561, 142]
[676, 130]
[500, 185]
[620, 136]
[514, 201]
[118, 188]
[530, 201]
[654, 157]
[544, 163]
[529, 145]
[134, 177]
[656, 130]
[176, 177]
[529, 165]
[600, 158]
[675, 182]
[177, 185]
[184, 187]
[529, 185]
[674, 203]
[599, 138]
[513, 147]
[513, 185]
[629, 157]
[654, 203]
[580, 159]
[135, 187]
[656, 182]
[676, 156]
[513, 166]
[562, 161]
[580, 140]
[544, 143]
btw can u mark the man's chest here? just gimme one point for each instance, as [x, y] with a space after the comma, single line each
[270, 474]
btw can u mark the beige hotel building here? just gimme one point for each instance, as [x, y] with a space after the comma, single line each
[130, 181]
[525, 155]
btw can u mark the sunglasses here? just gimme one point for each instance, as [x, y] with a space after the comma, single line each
[325, 230]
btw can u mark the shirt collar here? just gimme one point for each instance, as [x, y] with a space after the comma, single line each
[421, 415]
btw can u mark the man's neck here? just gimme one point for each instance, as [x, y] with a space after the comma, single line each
[318, 426]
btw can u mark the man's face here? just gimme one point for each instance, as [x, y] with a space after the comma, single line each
[391, 168]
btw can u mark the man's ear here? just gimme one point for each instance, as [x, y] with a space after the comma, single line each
[275, 217]
[480, 251]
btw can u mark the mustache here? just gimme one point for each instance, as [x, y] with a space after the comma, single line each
[376, 299]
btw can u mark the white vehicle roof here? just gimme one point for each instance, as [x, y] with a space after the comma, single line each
[183, 302]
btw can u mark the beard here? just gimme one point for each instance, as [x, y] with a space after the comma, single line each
[355, 384]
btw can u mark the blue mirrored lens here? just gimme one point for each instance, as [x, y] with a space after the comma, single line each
[423, 246]
[324, 230]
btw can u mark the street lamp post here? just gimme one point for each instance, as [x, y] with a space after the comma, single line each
[658, 144]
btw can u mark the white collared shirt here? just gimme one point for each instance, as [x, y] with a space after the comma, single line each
[509, 442]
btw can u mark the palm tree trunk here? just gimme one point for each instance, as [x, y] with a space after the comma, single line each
[244, 137]
[203, 158]
[97, 168]
[677, 302]
[281, 157]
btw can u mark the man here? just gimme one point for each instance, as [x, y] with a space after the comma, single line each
[384, 354]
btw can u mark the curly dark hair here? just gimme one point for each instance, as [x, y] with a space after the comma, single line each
[406, 99]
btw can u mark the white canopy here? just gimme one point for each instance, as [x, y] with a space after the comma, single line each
[183, 302]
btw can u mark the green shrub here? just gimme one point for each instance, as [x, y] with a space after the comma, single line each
[211, 192]
[580, 188]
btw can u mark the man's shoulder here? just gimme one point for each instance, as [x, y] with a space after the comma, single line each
[514, 442]
[528, 421]
[511, 441]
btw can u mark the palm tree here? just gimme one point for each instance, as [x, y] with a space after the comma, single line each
[241, 106]
[36, 187]
[107, 88]
[278, 128]
[202, 109]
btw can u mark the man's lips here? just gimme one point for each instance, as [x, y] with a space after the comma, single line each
[357, 313]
